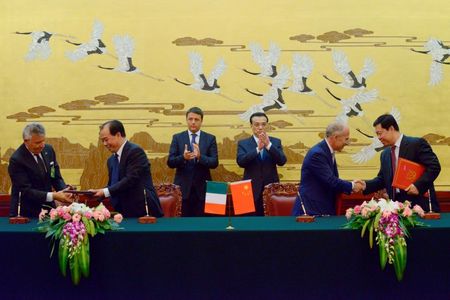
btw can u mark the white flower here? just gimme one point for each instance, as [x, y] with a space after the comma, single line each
[387, 205]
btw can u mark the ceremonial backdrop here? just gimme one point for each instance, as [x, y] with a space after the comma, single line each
[72, 65]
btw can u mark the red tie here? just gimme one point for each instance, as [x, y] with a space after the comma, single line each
[393, 160]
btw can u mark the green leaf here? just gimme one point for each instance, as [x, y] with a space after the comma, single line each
[382, 252]
[399, 259]
[363, 230]
[75, 269]
[63, 253]
[84, 257]
[371, 235]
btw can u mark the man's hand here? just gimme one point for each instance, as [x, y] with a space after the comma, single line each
[64, 198]
[264, 138]
[358, 186]
[196, 151]
[188, 155]
[412, 190]
[98, 193]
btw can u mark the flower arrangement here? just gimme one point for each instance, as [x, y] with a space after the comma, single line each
[70, 227]
[390, 221]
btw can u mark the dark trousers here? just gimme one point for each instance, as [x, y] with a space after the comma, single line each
[193, 206]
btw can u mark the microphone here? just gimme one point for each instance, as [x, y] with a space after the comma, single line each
[19, 219]
[147, 219]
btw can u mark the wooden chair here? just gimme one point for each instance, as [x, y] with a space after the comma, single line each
[170, 197]
[279, 198]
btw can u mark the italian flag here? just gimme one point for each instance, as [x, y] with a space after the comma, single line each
[216, 197]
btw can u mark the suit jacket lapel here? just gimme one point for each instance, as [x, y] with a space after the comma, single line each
[202, 142]
[123, 158]
[403, 147]
[186, 141]
[30, 161]
[46, 159]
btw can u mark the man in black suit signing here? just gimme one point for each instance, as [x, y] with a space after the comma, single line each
[130, 184]
[193, 153]
[411, 148]
[35, 175]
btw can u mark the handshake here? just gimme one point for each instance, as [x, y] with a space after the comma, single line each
[358, 185]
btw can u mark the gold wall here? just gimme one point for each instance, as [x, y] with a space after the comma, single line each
[72, 98]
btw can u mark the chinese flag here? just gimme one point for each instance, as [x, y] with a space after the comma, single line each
[242, 194]
[407, 172]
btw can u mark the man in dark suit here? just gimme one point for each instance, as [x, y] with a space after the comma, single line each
[193, 153]
[411, 148]
[259, 155]
[320, 183]
[130, 185]
[34, 174]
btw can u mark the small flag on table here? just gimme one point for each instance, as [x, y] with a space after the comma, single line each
[242, 194]
[216, 197]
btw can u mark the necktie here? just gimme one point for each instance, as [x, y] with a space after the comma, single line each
[193, 136]
[333, 158]
[41, 164]
[393, 166]
[262, 154]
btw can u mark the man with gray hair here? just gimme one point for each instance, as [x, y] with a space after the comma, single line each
[35, 174]
[320, 184]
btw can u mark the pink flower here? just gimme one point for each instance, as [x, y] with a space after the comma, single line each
[96, 214]
[407, 212]
[418, 210]
[118, 218]
[106, 212]
[76, 218]
[365, 212]
[386, 213]
[53, 214]
[67, 216]
[101, 217]
[88, 215]
[357, 209]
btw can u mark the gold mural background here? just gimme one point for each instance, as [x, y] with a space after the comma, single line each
[72, 99]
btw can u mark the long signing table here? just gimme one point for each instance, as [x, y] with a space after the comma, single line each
[197, 258]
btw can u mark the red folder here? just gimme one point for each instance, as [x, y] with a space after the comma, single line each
[407, 172]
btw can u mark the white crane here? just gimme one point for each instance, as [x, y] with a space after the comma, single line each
[267, 61]
[272, 99]
[124, 46]
[302, 66]
[94, 46]
[350, 79]
[202, 83]
[351, 107]
[439, 54]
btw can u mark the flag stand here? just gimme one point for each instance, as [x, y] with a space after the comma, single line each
[230, 225]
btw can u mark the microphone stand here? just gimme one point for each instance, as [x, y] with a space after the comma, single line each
[19, 219]
[431, 215]
[147, 219]
[305, 218]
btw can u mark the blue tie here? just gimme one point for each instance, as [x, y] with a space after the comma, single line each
[193, 136]
[262, 154]
[114, 175]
